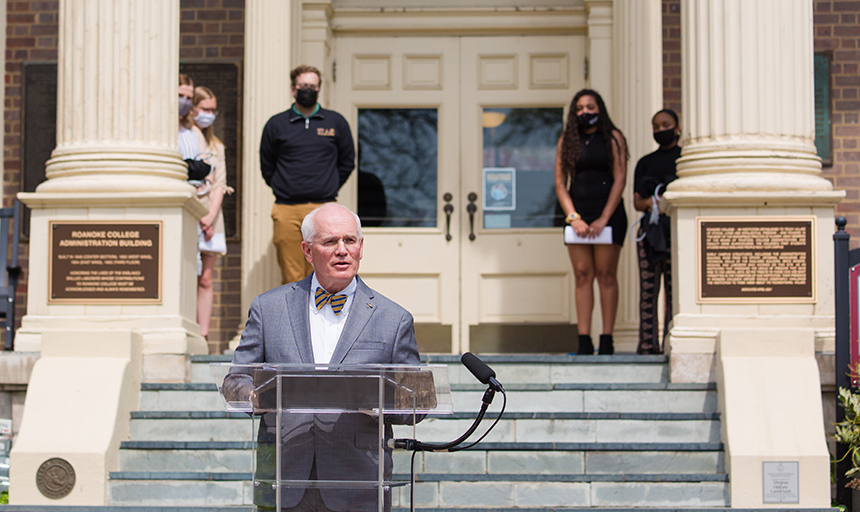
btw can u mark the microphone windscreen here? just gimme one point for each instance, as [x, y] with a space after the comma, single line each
[479, 369]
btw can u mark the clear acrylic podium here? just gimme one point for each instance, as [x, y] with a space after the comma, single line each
[323, 432]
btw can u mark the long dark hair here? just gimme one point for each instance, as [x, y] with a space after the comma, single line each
[571, 138]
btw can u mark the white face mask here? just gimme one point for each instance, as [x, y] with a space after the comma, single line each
[204, 119]
[185, 106]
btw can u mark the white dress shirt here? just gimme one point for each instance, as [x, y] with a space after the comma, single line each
[325, 325]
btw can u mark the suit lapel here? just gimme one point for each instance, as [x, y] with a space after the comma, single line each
[363, 306]
[297, 309]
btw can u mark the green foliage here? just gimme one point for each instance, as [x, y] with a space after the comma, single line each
[4, 498]
[848, 432]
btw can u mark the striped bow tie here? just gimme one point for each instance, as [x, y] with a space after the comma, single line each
[323, 297]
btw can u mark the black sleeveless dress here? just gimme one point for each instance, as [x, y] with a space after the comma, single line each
[592, 182]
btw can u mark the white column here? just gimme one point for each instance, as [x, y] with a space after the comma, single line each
[637, 93]
[748, 97]
[267, 92]
[748, 152]
[599, 20]
[116, 97]
[115, 160]
[317, 42]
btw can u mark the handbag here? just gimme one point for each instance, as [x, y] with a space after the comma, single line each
[216, 244]
[604, 238]
[652, 229]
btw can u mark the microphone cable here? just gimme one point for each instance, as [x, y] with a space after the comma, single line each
[499, 417]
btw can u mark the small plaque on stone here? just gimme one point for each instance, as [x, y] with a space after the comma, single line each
[780, 482]
[55, 478]
[104, 262]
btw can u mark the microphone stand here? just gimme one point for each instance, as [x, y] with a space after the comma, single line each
[487, 376]
[418, 446]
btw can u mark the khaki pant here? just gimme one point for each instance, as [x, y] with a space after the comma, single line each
[287, 237]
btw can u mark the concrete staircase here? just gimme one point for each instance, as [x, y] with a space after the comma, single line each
[577, 432]
[606, 432]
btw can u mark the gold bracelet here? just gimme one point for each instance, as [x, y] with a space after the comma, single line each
[572, 217]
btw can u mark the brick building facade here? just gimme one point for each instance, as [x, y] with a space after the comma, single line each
[213, 31]
[210, 31]
[837, 34]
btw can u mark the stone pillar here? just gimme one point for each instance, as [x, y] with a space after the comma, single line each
[599, 20]
[637, 94]
[748, 152]
[267, 92]
[317, 42]
[115, 161]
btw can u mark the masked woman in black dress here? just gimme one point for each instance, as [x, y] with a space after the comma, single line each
[590, 172]
[653, 172]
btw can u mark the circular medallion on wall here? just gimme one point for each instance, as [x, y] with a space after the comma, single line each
[55, 478]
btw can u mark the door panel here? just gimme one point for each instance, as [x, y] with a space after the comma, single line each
[516, 270]
[438, 118]
[401, 98]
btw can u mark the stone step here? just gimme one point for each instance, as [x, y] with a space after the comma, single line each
[519, 369]
[566, 397]
[462, 491]
[114, 508]
[513, 427]
[485, 458]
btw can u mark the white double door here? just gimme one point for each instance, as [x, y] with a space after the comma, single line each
[456, 143]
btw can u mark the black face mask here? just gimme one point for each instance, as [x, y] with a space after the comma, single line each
[587, 119]
[666, 137]
[306, 97]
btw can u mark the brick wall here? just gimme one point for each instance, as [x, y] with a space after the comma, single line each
[837, 30]
[672, 55]
[209, 30]
[31, 36]
[212, 30]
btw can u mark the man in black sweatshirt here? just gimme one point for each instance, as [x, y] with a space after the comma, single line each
[306, 155]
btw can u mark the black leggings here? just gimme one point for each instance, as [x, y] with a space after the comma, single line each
[653, 265]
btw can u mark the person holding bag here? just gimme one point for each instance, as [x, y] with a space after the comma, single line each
[188, 137]
[653, 172]
[210, 234]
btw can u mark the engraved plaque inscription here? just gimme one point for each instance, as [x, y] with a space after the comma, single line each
[105, 262]
[761, 259]
[55, 478]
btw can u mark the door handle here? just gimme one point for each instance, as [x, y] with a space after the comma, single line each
[449, 209]
[472, 209]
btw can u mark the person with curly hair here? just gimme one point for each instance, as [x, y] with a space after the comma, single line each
[590, 173]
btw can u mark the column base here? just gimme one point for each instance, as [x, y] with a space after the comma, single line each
[168, 331]
[79, 399]
[166, 350]
[754, 367]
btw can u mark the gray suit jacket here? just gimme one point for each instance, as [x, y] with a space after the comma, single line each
[344, 446]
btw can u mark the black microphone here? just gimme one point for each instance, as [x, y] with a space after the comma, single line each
[481, 371]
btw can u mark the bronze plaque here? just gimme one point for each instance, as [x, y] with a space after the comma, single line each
[761, 259]
[55, 478]
[105, 262]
